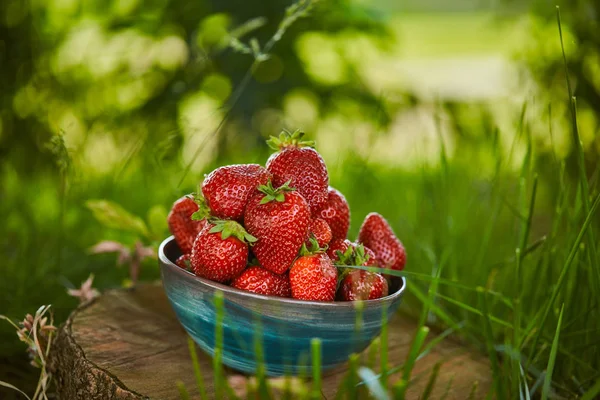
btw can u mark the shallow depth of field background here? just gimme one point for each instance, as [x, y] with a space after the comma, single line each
[437, 114]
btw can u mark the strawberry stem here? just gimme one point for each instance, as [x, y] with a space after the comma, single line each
[229, 228]
[203, 209]
[274, 194]
[288, 139]
[314, 248]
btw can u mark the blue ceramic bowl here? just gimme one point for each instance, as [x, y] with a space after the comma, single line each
[287, 325]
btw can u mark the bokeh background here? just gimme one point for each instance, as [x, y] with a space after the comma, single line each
[447, 117]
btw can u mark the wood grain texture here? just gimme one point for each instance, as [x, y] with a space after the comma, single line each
[127, 344]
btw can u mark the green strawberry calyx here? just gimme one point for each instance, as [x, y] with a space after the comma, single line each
[229, 228]
[353, 256]
[289, 139]
[274, 194]
[203, 209]
[360, 256]
[311, 249]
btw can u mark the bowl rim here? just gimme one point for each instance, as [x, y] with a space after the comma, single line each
[165, 262]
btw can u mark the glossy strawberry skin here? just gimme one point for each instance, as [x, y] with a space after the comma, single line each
[280, 227]
[336, 245]
[319, 230]
[313, 277]
[227, 189]
[306, 171]
[181, 224]
[336, 212]
[261, 281]
[377, 234]
[363, 285]
[184, 262]
[217, 259]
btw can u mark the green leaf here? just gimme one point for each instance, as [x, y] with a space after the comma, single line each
[114, 216]
[266, 199]
[431, 382]
[552, 358]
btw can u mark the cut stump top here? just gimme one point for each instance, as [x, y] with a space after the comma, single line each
[128, 344]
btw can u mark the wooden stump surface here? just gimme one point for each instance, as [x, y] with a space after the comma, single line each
[128, 344]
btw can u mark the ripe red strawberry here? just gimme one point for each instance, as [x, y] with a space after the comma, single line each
[227, 189]
[319, 230]
[336, 213]
[341, 245]
[220, 251]
[181, 224]
[259, 280]
[183, 262]
[363, 285]
[279, 219]
[313, 277]
[377, 234]
[301, 166]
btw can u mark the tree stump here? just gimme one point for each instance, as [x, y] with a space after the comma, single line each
[128, 344]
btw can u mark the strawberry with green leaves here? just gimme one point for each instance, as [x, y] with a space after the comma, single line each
[227, 189]
[313, 275]
[357, 284]
[336, 212]
[182, 226]
[261, 281]
[279, 218]
[299, 164]
[220, 251]
[378, 235]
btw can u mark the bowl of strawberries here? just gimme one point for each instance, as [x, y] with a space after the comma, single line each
[261, 255]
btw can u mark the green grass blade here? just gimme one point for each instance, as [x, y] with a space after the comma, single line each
[315, 345]
[475, 310]
[552, 359]
[383, 353]
[527, 225]
[517, 321]
[217, 358]
[400, 389]
[431, 382]
[473, 392]
[593, 392]
[351, 390]
[197, 371]
[261, 374]
[573, 252]
[448, 387]
[498, 385]
[413, 353]
[578, 146]
[183, 393]
[438, 339]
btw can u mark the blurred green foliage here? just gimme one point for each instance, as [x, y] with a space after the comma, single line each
[123, 100]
